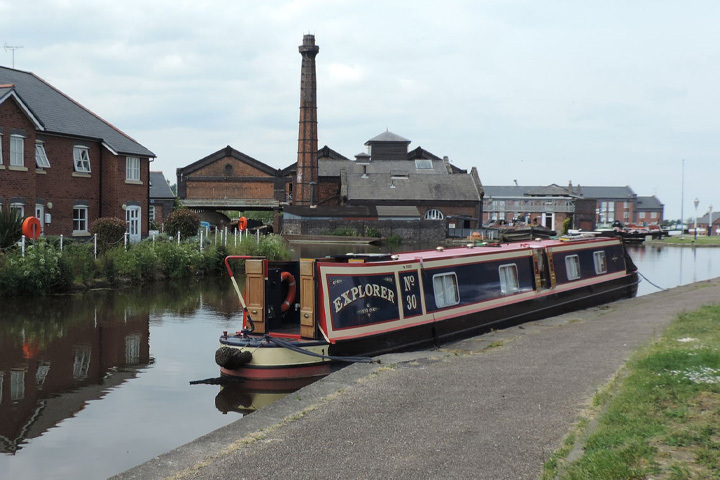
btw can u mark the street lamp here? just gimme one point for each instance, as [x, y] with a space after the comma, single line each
[696, 202]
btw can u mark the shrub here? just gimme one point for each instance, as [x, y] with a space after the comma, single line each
[36, 273]
[109, 231]
[10, 228]
[184, 221]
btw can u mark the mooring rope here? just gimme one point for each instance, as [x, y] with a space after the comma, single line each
[295, 348]
[651, 283]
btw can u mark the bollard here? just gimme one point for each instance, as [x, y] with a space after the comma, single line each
[62, 237]
[95, 246]
[201, 239]
[22, 245]
[178, 237]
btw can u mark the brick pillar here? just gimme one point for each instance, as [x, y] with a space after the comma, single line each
[307, 167]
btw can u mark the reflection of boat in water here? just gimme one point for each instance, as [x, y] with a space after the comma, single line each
[246, 397]
[302, 316]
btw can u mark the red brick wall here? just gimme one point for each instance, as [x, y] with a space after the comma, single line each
[231, 187]
[60, 185]
[14, 183]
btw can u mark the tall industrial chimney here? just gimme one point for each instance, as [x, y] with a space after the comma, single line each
[307, 163]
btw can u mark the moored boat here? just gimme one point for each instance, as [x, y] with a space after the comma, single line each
[303, 316]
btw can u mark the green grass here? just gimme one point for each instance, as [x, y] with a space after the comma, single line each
[662, 421]
[691, 240]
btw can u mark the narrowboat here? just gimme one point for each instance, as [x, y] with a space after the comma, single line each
[302, 317]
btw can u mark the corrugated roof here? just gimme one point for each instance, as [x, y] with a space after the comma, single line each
[159, 187]
[58, 113]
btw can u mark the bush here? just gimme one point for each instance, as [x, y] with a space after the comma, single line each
[109, 231]
[10, 228]
[36, 273]
[184, 221]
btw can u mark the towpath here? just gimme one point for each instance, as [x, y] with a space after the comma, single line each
[494, 406]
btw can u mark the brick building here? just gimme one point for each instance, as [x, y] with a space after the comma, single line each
[387, 175]
[65, 165]
[587, 205]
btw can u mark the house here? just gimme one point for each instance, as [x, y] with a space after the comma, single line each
[64, 164]
[649, 210]
[161, 198]
[552, 204]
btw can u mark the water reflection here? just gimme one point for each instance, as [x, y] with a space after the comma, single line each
[58, 354]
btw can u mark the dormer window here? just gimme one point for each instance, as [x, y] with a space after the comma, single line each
[81, 159]
[423, 164]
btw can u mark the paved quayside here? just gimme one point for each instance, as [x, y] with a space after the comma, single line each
[465, 411]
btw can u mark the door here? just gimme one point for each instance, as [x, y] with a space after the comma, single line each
[132, 217]
[40, 214]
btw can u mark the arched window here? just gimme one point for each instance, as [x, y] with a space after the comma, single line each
[228, 169]
[434, 214]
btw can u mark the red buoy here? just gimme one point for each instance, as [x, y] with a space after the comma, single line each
[31, 227]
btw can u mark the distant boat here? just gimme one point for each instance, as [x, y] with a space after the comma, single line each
[303, 316]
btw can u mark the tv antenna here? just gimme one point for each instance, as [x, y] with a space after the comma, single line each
[13, 48]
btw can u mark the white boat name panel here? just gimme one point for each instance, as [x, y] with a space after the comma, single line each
[362, 300]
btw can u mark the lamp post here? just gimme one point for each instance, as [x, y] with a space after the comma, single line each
[696, 202]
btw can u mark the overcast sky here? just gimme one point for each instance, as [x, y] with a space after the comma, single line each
[597, 92]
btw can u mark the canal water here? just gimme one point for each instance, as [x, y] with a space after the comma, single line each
[93, 384]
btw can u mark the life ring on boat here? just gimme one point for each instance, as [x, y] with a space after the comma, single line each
[31, 227]
[290, 297]
[242, 224]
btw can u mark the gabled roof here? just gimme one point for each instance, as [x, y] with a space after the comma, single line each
[159, 187]
[649, 203]
[324, 153]
[8, 91]
[387, 136]
[58, 113]
[224, 153]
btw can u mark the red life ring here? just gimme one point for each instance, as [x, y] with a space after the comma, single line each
[242, 224]
[31, 227]
[290, 297]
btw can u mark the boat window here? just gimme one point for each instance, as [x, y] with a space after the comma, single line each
[600, 263]
[509, 278]
[446, 290]
[572, 266]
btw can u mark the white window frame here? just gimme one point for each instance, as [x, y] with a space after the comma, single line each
[133, 219]
[600, 261]
[654, 215]
[81, 159]
[509, 282]
[82, 355]
[151, 212]
[17, 385]
[434, 214]
[572, 267]
[445, 289]
[41, 158]
[19, 207]
[132, 169]
[80, 219]
[17, 150]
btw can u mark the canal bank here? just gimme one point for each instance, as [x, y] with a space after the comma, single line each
[494, 406]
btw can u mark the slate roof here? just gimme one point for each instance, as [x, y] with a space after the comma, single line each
[58, 113]
[331, 168]
[512, 191]
[433, 188]
[387, 136]
[649, 203]
[228, 151]
[159, 187]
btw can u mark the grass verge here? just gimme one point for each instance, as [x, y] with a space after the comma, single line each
[663, 419]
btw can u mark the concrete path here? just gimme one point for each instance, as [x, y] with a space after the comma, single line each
[490, 407]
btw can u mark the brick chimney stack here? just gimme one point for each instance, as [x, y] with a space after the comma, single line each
[307, 164]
